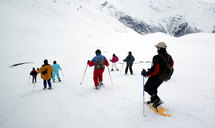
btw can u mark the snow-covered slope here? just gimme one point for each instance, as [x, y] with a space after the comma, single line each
[70, 32]
[174, 17]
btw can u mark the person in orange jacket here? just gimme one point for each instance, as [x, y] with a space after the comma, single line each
[99, 62]
[46, 74]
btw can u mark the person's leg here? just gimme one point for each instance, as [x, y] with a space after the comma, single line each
[44, 83]
[36, 79]
[100, 77]
[152, 85]
[53, 76]
[130, 68]
[58, 76]
[95, 77]
[112, 66]
[116, 67]
[126, 69]
[49, 83]
[33, 78]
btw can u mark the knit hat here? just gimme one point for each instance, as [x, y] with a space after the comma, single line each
[45, 61]
[161, 45]
[98, 51]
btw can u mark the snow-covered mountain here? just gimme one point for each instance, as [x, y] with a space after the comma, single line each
[174, 17]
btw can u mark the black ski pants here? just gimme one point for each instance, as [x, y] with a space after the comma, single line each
[152, 84]
[130, 68]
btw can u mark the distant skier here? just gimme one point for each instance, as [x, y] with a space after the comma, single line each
[155, 73]
[114, 60]
[129, 62]
[99, 62]
[46, 74]
[56, 67]
[34, 73]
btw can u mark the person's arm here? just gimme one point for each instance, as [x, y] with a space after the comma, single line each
[154, 69]
[39, 70]
[106, 62]
[59, 67]
[91, 63]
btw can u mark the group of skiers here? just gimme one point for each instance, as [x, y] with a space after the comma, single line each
[48, 72]
[99, 62]
[157, 74]
[160, 71]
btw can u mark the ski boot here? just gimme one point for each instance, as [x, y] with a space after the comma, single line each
[96, 87]
[50, 88]
[100, 84]
[152, 99]
[157, 103]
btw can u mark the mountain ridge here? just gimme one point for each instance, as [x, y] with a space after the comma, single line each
[175, 24]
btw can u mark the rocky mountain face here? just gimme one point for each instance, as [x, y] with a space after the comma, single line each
[176, 25]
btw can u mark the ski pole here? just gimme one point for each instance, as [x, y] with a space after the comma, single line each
[143, 99]
[84, 74]
[110, 76]
[53, 83]
[121, 68]
[62, 74]
[29, 79]
[33, 88]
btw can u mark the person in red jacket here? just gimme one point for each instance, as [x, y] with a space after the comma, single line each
[99, 62]
[114, 60]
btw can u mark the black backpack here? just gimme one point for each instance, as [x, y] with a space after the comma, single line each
[166, 72]
[100, 65]
[45, 72]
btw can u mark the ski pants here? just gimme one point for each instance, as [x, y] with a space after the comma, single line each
[114, 66]
[53, 75]
[152, 85]
[98, 76]
[34, 78]
[130, 68]
[45, 83]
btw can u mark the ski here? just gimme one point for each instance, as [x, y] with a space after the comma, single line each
[159, 110]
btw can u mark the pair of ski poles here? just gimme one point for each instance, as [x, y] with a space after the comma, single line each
[85, 73]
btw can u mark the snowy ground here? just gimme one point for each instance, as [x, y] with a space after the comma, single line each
[44, 32]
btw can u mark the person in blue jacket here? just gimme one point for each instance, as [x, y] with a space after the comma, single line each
[56, 68]
[99, 62]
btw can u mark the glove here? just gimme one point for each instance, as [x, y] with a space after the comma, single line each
[143, 73]
[88, 61]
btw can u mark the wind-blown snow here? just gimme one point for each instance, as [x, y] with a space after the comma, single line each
[70, 32]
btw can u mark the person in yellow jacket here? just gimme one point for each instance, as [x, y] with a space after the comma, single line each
[46, 74]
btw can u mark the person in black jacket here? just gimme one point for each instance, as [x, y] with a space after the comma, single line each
[129, 62]
[153, 81]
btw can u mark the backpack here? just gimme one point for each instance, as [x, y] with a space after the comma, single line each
[166, 72]
[45, 72]
[100, 65]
